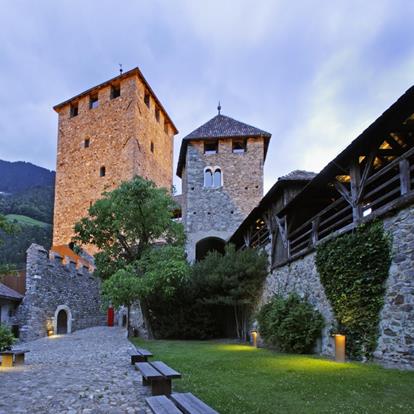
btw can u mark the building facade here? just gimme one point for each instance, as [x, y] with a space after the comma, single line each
[107, 135]
[221, 166]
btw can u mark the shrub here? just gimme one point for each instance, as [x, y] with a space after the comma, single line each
[291, 324]
[6, 338]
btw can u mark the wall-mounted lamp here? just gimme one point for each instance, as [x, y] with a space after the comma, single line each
[340, 342]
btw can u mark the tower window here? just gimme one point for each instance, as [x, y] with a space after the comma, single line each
[157, 114]
[217, 177]
[93, 101]
[115, 91]
[208, 177]
[152, 146]
[210, 147]
[74, 110]
[102, 171]
[239, 146]
[147, 99]
[166, 127]
[87, 143]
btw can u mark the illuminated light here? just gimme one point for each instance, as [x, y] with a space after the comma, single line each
[254, 338]
[50, 332]
[340, 343]
[367, 212]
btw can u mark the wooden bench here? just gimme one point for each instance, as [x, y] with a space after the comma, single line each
[186, 403]
[141, 355]
[159, 375]
[17, 355]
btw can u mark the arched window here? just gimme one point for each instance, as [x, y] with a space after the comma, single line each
[208, 178]
[217, 177]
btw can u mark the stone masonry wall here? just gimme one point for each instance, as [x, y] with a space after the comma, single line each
[396, 329]
[50, 285]
[217, 212]
[124, 137]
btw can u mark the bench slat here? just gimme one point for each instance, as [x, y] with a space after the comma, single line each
[190, 404]
[144, 352]
[162, 405]
[148, 371]
[166, 370]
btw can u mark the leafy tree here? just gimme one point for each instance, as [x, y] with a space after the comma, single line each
[234, 279]
[126, 222]
[7, 228]
[6, 338]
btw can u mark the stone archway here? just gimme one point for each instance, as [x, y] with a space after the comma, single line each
[62, 321]
[209, 244]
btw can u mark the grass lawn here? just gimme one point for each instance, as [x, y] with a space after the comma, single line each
[239, 379]
[26, 220]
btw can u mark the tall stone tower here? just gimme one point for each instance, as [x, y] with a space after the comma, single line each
[221, 166]
[107, 135]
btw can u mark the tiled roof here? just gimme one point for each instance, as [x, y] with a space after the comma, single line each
[220, 126]
[298, 175]
[6, 292]
[223, 126]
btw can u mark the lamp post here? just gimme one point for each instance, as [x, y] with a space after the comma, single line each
[340, 342]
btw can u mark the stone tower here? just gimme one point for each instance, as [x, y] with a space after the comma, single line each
[221, 166]
[107, 135]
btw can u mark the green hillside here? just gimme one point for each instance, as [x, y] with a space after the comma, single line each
[19, 219]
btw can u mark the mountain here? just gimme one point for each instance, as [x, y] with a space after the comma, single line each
[26, 198]
[20, 176]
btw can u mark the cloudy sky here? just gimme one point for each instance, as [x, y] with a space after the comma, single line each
[313, 73]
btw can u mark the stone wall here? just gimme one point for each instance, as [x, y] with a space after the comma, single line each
[52, 285]
[396, 330]
[217, 212]
[124, 136]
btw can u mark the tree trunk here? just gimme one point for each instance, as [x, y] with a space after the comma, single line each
[144, 310]
[128, 324]
[236, 319]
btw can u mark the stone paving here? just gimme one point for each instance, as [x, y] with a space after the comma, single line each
[88, 371]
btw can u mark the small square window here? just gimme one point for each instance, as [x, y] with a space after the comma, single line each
[102, 172]
[152, 146]
[87, 142]
[210, 147]
[93, 101]
[166, 127]
[157, 114]
[239, 146]
[74, 110]
[147, 99]
[115, 91]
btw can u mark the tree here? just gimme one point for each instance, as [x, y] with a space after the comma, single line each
[7, 228]
[235, 279]
[126, 222]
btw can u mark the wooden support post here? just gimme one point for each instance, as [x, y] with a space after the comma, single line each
[355, 174]
[315, 226]
[405, 176]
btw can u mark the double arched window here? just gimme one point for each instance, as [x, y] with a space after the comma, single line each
[213, 177]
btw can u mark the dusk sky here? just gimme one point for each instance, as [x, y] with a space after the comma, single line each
[313, 73]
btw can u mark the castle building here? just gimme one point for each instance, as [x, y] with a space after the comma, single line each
[107, 135]
[221, 166]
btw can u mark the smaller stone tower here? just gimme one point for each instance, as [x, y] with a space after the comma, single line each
[221, 166]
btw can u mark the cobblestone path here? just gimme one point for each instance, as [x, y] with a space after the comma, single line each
[88, 371]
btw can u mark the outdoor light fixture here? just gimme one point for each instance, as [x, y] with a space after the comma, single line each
[340, 341]
[50, 332]
[254, 338]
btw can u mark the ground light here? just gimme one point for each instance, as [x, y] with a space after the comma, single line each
[254, 338]
[340, 341]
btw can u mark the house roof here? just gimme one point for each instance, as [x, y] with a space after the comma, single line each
[7, 293]
[220, 126]
[132, 72]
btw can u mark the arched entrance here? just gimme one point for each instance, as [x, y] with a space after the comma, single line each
[62, 322]
[209, 244]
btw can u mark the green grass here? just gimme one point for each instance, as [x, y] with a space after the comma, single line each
[28, 221]
[240, 379]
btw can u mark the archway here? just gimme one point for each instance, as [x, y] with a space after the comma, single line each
[209, 244]
[62, 322]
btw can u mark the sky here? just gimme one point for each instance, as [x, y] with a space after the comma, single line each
[314, 73]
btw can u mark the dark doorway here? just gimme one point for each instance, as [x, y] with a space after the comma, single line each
[209, 244]
[62, 322]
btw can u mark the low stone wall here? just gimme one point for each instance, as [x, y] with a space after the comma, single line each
[396, 330]
[52, 286]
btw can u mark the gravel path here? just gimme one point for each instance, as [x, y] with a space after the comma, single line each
[88, 371]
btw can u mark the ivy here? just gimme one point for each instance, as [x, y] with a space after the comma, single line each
[353, 269]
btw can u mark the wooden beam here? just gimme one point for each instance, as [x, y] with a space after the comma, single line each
[343, 191]
[247, 238]
[367, 170]
[355, 174]
[315, 226]
[405, 182]
[281, 224]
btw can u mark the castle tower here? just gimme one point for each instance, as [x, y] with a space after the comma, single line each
[221, 166]
[107, 135]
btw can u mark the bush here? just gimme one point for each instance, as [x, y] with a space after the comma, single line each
[291, 324]
[6, 338]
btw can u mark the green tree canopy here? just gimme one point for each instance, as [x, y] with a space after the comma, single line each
[127, 221]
